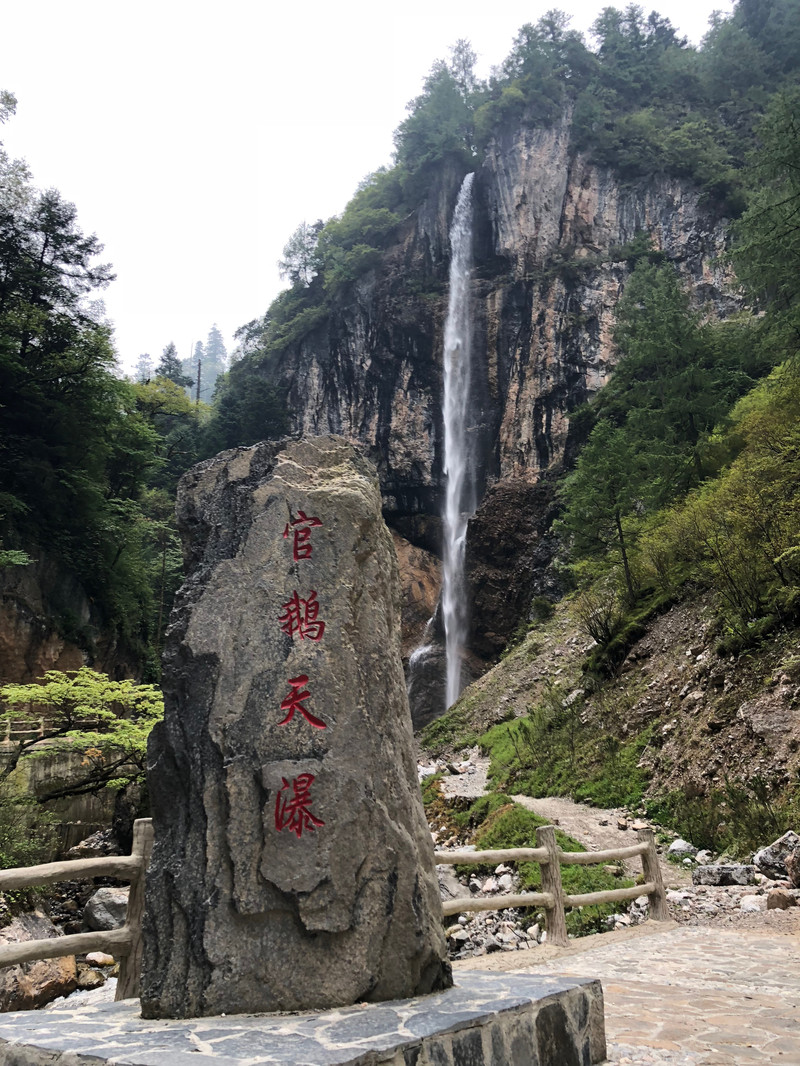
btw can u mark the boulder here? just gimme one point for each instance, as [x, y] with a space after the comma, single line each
[106, 909]
[724, 874]
[100, 958]
[780, 899]
[103, 842]
[751, 904]
[680, 849]
[293, 867]
[34, 983]
[792, 862]
[449, 885]
[89, 978]
[771, 860]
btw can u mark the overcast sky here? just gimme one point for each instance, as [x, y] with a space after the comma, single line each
[195, 137]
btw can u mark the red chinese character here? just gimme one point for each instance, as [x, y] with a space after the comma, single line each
[302, 535]
[300, 616]
[294, 702]
[293, 812]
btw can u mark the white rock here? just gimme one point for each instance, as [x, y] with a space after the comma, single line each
[750, 904]
[681, 847]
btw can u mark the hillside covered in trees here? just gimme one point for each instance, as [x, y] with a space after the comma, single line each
[661, 394]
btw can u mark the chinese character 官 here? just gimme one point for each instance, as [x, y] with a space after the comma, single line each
[301, 527]
[301, 617]
[292, 812]
[294, 702]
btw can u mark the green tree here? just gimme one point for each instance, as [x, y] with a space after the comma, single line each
[108, 721]
[215, 361]
[602, 496]
[299, 264]
[674, 380]
[169, 366]
[440, 122]
[73, 449]
[767, 250]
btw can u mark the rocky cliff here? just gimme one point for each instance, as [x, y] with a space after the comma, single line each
[47, 622]
[551, 231]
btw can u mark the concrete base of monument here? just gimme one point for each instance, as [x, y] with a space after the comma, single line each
[488, 1019]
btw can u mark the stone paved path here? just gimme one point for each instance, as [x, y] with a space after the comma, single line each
[714, 995]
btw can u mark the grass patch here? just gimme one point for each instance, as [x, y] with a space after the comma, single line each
[452, 731]
[554, 751]
[509, 825]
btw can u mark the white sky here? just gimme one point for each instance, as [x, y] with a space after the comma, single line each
[194, 137]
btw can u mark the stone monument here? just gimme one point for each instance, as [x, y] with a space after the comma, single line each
[292, 867]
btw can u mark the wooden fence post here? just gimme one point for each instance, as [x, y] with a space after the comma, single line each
[130, 966]
[551, 882]
[651, 868]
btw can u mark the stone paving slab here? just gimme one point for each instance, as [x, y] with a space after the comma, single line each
[486, 1019]
[716, 995]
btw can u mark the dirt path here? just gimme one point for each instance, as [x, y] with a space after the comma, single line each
[595, 827]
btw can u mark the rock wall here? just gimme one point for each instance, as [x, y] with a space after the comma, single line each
[549, 271]
[47, 623]
[550, 265]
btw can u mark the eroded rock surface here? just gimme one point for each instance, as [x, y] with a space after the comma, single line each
[292, 867]
[34, 983]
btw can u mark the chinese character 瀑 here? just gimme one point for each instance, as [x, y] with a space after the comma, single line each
[300, 616]
[293, 812]
[302, 526]
[294, 702]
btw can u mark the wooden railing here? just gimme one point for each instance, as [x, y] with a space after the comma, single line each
[125, 943]
[552, 898]
[25, 728]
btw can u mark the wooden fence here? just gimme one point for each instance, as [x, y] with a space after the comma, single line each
[125, 943]
[553, 899]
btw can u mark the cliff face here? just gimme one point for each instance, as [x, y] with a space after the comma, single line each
[48, 623]
[550, 264]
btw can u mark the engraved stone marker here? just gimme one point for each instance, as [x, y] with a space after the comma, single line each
[292, 866]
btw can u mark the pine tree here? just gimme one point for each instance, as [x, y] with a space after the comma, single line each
[143, 370]
[169, 366]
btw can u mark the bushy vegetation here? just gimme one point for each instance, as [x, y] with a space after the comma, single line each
[27, 832]
[735, 819]
[556, 750]
[690, 469]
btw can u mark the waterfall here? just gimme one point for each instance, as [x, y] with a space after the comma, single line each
[459, 466]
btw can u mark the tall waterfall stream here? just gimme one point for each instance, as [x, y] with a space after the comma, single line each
[459, 465]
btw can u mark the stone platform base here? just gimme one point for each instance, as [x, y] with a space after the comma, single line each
[486, 1020]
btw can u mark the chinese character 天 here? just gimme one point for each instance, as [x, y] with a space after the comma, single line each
[295, 701]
